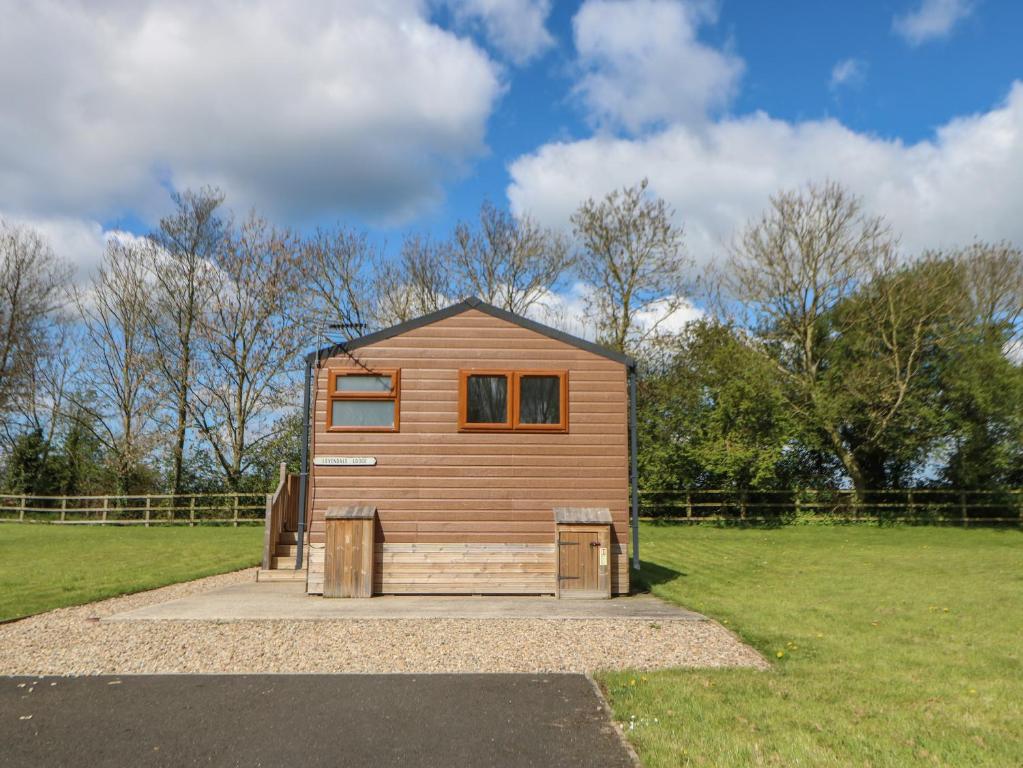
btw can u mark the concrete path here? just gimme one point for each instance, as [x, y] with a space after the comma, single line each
[288, 601]
[307, 720]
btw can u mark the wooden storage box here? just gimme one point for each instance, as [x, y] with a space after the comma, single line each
[583, 551]
[349, 551]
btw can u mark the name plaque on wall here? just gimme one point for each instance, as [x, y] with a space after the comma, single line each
[344, 461]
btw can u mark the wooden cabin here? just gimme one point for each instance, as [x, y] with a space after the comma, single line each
[469, 451]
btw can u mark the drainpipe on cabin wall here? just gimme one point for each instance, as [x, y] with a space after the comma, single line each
[634, 466]
[303, 476]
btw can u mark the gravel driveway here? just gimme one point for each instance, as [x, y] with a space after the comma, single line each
[73, 641]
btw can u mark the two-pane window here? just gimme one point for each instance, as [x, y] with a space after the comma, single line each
[361, 400]
[523, 400]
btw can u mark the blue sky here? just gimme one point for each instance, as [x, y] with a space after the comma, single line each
[402, 115]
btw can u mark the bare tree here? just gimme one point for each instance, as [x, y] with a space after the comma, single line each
[251, 336]
[33, 282]
[41, 405]
[994, 285]
[631, 253]
[816, 281]
[418, 282]
[337, 269]
[119, 390]
[186, 243]
[510, 262]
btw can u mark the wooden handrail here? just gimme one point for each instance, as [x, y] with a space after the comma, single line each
[281, 514]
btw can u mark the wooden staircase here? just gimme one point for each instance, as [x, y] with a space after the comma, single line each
[280, 540]
[282, 562]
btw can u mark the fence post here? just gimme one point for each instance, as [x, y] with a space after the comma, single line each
[742, 505]
[912, 509]
[147, 511]
[191, 512]
[798, 504]
[63, 509]
[106, 505]
[236, 511]
[21, 513]
[689, 506]
[962, 509]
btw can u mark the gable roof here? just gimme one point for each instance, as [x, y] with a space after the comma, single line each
[459, 308]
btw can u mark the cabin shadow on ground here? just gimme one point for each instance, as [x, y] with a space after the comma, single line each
[653, 574]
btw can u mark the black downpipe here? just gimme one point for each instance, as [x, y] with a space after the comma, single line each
[634, 467]
[303, 476]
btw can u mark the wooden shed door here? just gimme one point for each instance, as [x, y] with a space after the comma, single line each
[578, 558]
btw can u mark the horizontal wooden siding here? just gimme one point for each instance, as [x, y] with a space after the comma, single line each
[435, 485]
[465, 569]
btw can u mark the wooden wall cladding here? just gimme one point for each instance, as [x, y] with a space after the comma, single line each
[461, 568]
[435, 485]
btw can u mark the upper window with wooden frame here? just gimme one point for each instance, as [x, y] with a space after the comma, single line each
[502, 400]
[363, 400]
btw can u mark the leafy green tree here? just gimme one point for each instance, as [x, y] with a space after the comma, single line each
[881, 382]
[984, 401]
[25, 470]
[712, 414]
[850, 329]
[981, 379]
[80, 466]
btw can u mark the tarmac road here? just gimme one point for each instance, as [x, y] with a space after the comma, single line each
[306, 721]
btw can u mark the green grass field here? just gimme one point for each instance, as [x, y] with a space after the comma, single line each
[49, 566]
[890, 646]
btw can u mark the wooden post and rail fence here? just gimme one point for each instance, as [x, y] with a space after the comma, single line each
[279, 510]
[131, 509]
[941, 506]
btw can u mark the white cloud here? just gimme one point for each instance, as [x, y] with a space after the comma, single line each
[931, 20]
[643, 65]
[360, 107]
[847, 72]
[77, 241]
[965, 182]
[516, 28]
[566, 309]
[658, 315]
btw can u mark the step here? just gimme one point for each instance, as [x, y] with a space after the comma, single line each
[284, 562]
[282, 575]
[288, 550]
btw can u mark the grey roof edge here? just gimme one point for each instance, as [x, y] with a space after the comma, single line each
[457, 309]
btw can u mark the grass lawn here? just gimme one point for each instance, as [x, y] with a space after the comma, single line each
[891, 647]
[50, 566]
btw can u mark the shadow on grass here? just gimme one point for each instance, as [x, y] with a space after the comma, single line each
[652, 574]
